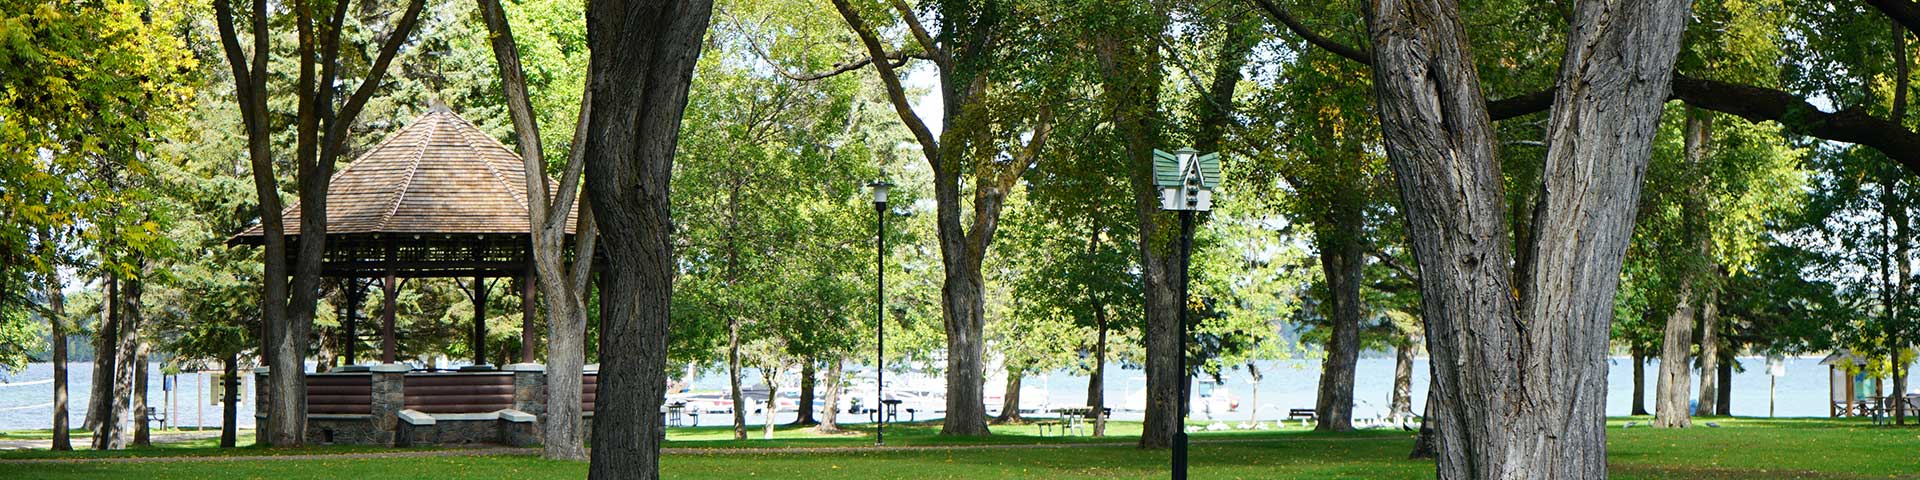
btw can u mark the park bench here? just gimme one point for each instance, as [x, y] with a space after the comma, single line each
[1303, 415]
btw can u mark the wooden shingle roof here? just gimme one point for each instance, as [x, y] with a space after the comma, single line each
[438, 177]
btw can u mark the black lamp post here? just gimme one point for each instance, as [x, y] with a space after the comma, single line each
[880, 188]
[1186, 180]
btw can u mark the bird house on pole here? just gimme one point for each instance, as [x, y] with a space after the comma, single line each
[1186, 179]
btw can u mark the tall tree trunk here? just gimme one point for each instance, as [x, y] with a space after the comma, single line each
[830, 417]
[733, 379]
[1130, 65]
[1097, 382]
[1709, 353]
[105, 340]
[566, 290]
[1402, 405]
[644, 53]
[1639, 381]
[1675, 386]
[804, 416]
[1343, 262]
[1010, 401]
[963, 306]
[964, 140]
[142, 430]
[288, 302]
[1902, 243]
[57, 323]
[126, 333]
[230, 401]
[1521, 380]
[1724, 401]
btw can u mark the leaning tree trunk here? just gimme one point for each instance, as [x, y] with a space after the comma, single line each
[830, 418]
[1521, 381]
[1639, 381]
[1010, 401]
[1709, 355]
[1341, 258]
[642, 66]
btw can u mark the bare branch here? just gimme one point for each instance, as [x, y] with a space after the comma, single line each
[1285, 18]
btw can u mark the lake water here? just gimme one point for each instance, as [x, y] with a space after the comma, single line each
[26, 398]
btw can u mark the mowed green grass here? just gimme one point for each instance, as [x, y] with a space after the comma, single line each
[1743, 448]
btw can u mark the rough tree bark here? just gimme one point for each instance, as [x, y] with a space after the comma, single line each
[1521, 380]
[565, 286]
[1401, 407]
[1675, 388]
[830, 418]
[288, 304]
[1709, 353]
[644, 52]
[961, 56]
[1343, 261]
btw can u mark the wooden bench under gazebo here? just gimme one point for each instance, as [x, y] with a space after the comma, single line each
[439, 198]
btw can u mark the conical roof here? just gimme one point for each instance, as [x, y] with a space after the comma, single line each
[438, 175]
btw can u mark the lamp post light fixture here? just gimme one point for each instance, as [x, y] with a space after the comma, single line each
[880, 188]
[1186, 179]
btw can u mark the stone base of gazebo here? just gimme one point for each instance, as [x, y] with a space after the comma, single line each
[391, 405]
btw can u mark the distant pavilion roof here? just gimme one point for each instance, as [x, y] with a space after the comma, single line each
[437, 198]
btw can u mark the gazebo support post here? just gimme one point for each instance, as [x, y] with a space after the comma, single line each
[479, 320]
[527, 333]
[388, 347]
[356, 292]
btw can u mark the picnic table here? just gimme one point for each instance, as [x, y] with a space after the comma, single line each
[1074, 419]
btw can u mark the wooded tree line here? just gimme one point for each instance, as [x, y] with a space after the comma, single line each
[1678, 180]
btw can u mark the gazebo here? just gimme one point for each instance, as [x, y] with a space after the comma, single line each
[1851, 391]
[439, 198]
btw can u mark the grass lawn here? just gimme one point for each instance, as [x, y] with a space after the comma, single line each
[1743, 448]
